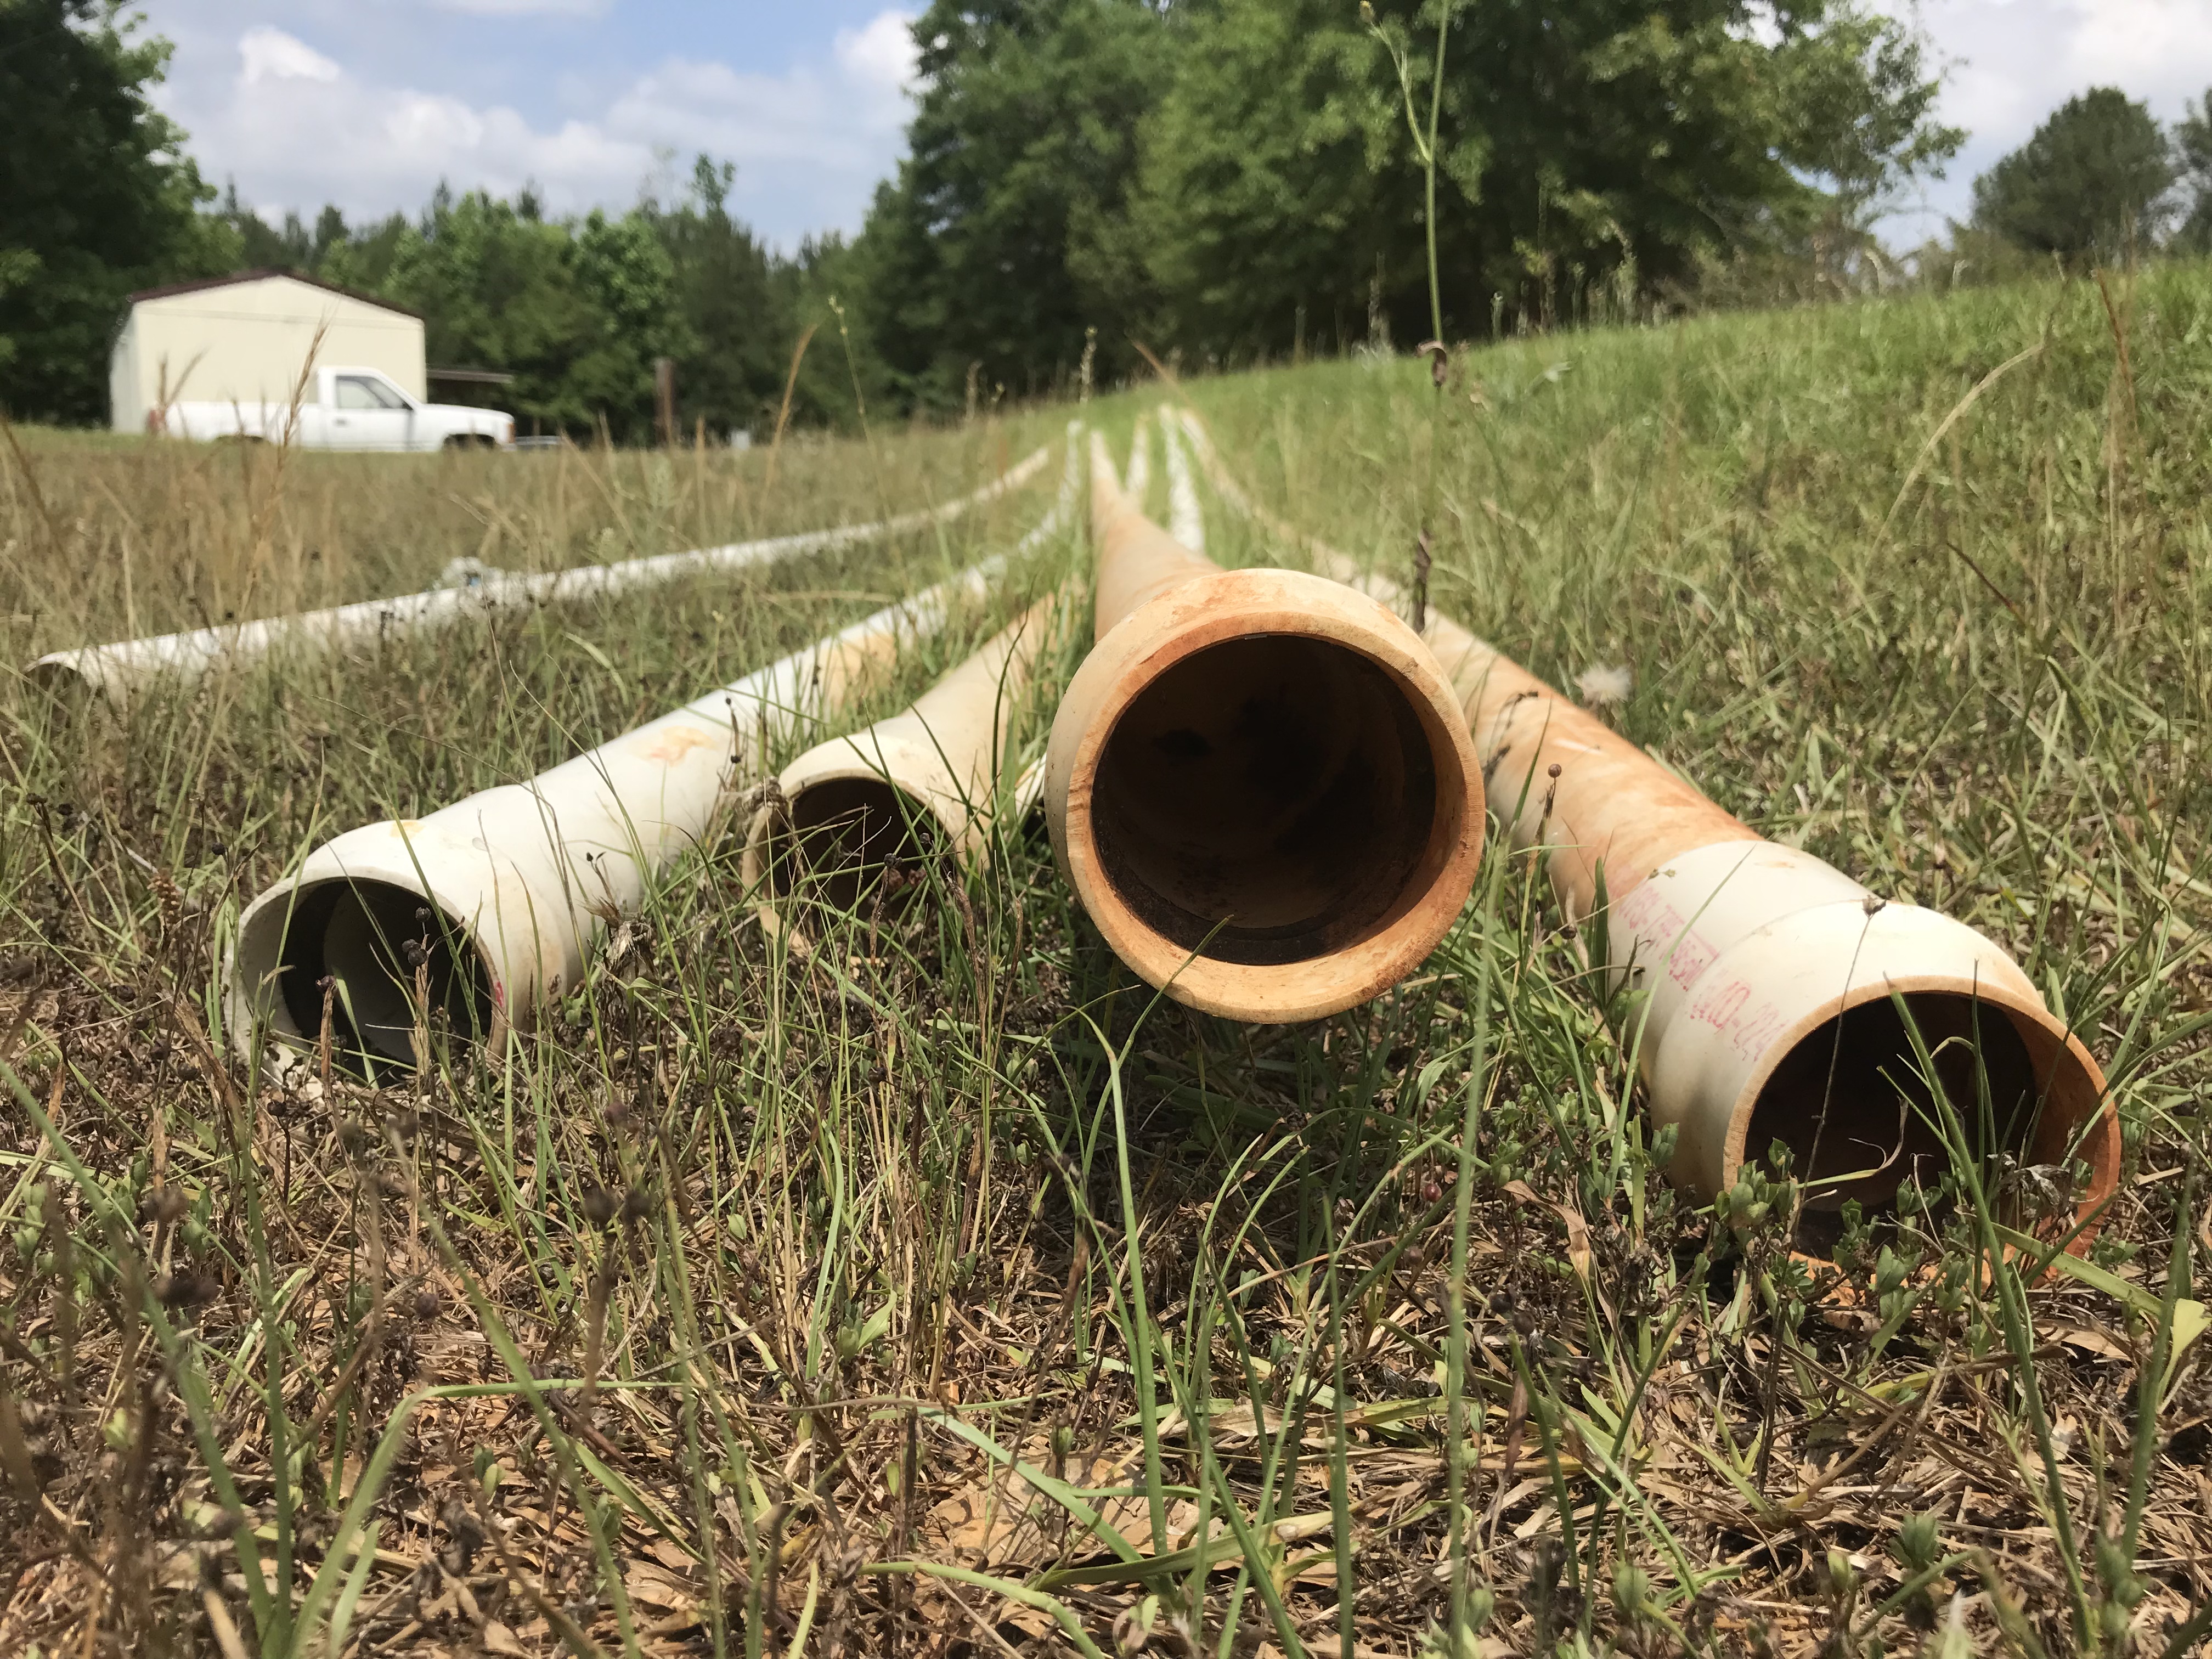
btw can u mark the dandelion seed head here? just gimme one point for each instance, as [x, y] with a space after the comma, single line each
[1601, 684]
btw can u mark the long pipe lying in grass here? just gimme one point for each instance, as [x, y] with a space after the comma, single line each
[1186, 521]
[488, 910]
[1186, 524]
[1259, 784]
[117, 671]
[1138, 478]
[1766, 982]
[918, 785]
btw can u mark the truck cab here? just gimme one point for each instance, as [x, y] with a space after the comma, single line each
[363, 410]
[351, 408]
[280, 356]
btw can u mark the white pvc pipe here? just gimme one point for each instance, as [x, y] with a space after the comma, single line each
[1186, 522]
[1140, 459]
[119, 670]
[1763, 976]
[923, 783]
[504, 896]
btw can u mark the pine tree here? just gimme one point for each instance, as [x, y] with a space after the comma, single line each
[2090, 185]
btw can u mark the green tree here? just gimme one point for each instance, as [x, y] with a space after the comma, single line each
[363, 258]
[2193, 156]
[1269, 195]
[827, 274]
[730, 374]
[260, 246]
[576, 312]
[1584, 142]
[2090, 183]
[291, 246]
[626, 280]
[995, 246]
[96, 199]
[492, 284]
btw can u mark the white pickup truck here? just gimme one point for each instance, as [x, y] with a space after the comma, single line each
[351, 408]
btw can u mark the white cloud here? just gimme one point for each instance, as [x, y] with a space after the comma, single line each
[267, 54]
[841, 123]
[525, 8]
[2012, 62]
[2159, 49]
[292, 127]
[881, 54]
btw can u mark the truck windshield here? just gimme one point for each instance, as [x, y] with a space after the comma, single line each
[360, 392]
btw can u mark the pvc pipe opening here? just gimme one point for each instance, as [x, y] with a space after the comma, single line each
[1879, 1123]
[357, 932]
[844, 833]
[56, 676]
[73, 683]
[1270, 799]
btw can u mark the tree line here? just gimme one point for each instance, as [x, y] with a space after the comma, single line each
[1239, 177]
[2101, 180]
[99, 198]
[1220, 180]
[578, 309]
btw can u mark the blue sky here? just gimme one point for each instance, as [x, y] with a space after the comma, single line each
[2010, 63]
[368, 103]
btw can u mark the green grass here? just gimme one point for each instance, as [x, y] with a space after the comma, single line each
[948, 1290]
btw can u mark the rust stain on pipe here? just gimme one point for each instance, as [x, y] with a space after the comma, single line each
[1762, 983]
[1260, 783]
[1145, 561]
[1715, 927]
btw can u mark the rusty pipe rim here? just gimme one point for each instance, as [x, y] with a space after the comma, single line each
[1141, 856]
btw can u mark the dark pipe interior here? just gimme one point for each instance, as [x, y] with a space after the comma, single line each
[1270, 798]
[357, 934]
[59, 680]
[844, 833]
[1878, 1110]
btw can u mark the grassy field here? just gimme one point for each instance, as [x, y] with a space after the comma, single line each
[716, 1315]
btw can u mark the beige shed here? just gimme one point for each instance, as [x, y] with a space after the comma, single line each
[244, 338]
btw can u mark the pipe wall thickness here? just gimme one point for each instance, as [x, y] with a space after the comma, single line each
[1761, 979]
[1259, 784]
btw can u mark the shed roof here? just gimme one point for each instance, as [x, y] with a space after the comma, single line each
[200, 284]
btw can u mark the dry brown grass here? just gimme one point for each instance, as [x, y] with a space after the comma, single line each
[722, 1302]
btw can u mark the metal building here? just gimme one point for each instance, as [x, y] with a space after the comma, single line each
[245, 339]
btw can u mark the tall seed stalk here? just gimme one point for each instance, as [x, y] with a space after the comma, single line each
[1433, 348]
